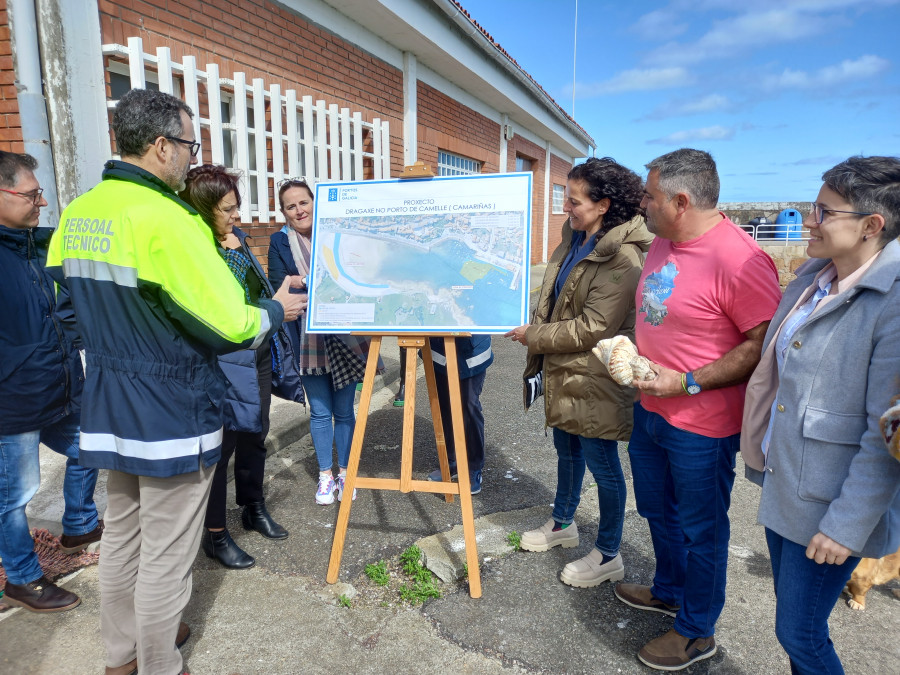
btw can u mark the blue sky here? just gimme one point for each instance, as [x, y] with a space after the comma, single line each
[777, 90]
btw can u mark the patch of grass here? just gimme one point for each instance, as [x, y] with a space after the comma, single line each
[514, 539]
[344, 601]
[421, 585]
[411, 560]
[378, 573]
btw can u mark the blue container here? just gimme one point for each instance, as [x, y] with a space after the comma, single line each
[789, 225]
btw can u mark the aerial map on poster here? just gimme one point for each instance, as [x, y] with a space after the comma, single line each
[439, 254]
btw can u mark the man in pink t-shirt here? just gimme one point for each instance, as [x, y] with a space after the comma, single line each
[705, 298]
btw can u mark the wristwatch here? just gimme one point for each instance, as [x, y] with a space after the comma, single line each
[692, 386]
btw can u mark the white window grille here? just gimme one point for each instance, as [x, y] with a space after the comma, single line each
[559, 197]
[456, 165]
[264, 133]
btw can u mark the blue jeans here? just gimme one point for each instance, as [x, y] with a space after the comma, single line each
[805, 594]
[325, 405]
[682, 485]
[20, 476]
[472, 417]
[602, 457]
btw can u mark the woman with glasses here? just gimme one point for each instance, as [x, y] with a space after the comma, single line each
[331, 365]
[213, 192]
[811, 435]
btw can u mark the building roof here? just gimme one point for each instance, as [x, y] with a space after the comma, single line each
[446, 41]
[496, 45]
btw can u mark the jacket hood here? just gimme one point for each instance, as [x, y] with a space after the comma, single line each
[632, 232]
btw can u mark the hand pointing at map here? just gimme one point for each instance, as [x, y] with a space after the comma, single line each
[518, 334]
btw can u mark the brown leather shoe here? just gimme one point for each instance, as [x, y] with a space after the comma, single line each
[674, 651]
[640, 597]
[130, 668]
[40, 596]
[79, 542]
[184, 632]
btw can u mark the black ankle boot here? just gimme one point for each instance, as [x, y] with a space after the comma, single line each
[220, 546]
[256, 517]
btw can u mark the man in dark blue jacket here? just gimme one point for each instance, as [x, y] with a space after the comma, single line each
[473, 355]
[40, 391]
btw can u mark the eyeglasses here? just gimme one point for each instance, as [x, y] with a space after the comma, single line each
[194, 146]
[296, 181]
[33, 195]
[818, 212]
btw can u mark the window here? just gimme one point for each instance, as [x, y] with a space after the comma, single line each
[523, 163]
[559, 196]
[456, 165]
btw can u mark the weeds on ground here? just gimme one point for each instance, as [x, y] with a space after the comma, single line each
[421, 585]
[378, 573]
[514, 539]
[344, 601]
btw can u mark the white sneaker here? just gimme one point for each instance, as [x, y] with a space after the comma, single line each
[340, 486]
[544, 538]
[325, 490]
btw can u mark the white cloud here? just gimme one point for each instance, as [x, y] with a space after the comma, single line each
[660, 21]
[694, 106]
[714, 133]
[864, 67]
[732, 37]
[637, 79]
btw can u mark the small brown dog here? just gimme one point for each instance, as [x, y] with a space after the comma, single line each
[871, 572]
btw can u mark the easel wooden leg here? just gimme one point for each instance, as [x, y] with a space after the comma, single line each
[359, 432]
[462, 467]
[436, 418]
[410, 347]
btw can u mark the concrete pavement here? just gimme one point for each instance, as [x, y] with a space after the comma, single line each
[281, 617]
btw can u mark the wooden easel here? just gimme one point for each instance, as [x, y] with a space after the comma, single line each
[412, 343]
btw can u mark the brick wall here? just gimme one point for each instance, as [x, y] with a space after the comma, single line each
[10, 124]
[559, 169]
[446, 124]
[263, 39]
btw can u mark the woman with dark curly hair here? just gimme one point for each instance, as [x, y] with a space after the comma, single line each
[587, 295]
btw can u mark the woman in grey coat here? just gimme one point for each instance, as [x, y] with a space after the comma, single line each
[811, 436]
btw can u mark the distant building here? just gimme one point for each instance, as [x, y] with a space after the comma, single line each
[328, 89]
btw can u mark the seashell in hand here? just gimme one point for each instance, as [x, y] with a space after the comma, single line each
[640, 368]
[622, 361]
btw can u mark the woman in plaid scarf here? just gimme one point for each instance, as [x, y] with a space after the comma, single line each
[331, 365]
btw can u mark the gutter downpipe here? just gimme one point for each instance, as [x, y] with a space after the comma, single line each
[465, 24]
[32, 106]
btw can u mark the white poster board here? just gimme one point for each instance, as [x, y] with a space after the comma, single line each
[421, 255]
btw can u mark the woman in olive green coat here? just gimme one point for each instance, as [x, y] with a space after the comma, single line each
[588, 295]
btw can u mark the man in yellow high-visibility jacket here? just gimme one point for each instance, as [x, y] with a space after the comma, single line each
[154, 305]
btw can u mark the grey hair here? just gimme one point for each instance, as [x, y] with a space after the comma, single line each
[871, 185]
[690, 171]
[11, 164]
[142, 116]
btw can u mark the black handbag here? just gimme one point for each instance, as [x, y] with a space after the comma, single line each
[286, 380]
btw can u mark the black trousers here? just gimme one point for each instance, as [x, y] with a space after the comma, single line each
[249, 452]
[473, 417]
